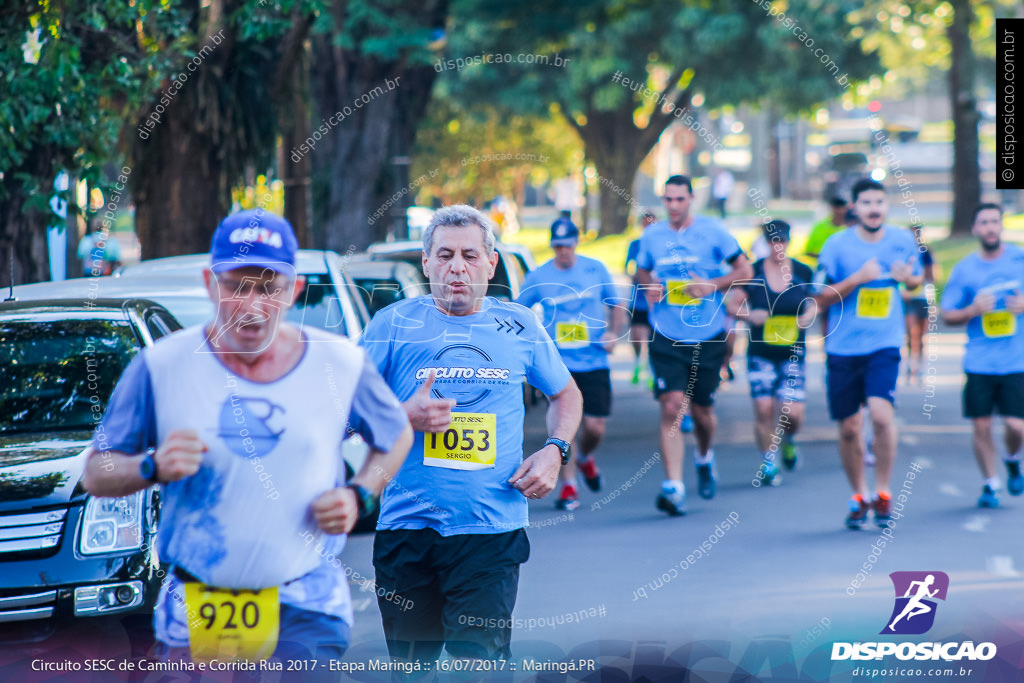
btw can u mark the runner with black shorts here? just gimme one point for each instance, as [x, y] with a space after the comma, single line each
[452, 528]
[778, 305]
[679, 266]
[583, 313]
[986, 291]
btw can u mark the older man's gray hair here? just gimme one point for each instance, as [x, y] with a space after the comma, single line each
[459, 215]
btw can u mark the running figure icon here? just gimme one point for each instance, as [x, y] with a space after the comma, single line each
[917, 595]
[915, 607]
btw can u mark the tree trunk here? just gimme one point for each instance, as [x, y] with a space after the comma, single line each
[616, 147]
[295, 175]
[379, 103]
[178, 187]
[966, 171]
[23, 235]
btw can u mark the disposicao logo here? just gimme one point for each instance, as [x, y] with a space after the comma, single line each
[916, 595]
[913, 613]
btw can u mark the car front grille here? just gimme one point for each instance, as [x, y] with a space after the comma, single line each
[27, 606]
[29, 532]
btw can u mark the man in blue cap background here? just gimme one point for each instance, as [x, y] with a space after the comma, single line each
[240, 422]
[584, 315]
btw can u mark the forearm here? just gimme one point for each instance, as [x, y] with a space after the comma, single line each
[644, 277]
[382, 466]
[959, 316]
[913, 282]
[565, 410]
[619, 321]
[742, 270]
[109, 474]
[833, 293]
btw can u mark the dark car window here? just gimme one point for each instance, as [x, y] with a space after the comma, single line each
[378, 294]
[57, 375]
[499, 286]
[318, 305]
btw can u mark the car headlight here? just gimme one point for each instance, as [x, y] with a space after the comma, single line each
[112, 525]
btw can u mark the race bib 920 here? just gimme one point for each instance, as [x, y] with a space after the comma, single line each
[469, 443]
[231, 624]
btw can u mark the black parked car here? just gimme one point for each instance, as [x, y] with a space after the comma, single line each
[66, 555]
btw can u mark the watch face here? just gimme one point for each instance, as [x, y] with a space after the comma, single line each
[147, 468]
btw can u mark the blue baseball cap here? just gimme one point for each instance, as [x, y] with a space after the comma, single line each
[254, 237]
[564, 233]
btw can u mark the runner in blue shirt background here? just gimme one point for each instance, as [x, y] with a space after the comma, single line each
[862, 269]
[585, 316]
[639, 325]
[986, 291]
[680, 266]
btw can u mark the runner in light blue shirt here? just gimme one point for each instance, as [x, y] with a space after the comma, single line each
[862, 268]
[986, 291]
[578, 298]
[451, 534]
[684, 266]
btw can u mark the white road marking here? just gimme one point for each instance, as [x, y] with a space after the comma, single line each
[977, 523]
[950, 490]
[1001, 565]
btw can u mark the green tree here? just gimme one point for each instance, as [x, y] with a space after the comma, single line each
[732, 51]
[920, 35]
[371, 62]
[71, 74]
[488, 151]
[213, 118]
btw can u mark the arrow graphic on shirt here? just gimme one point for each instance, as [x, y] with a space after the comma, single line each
[507, 325]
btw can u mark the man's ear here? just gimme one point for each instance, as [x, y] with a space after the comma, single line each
[300, 283]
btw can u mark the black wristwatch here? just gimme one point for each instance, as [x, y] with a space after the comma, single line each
[365, 499]
[147, 467]
[563, 448]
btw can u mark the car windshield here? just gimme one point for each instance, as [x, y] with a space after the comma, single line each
[318, 305]
[58, 375]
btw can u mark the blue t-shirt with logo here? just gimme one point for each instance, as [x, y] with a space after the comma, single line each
[676, 257]
[575, 302]
[870, 317]
[456, 482]
[995, 341]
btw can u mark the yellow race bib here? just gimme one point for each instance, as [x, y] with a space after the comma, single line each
[469, 443]
[231, 624]
[998, 324]
[571, 334]
[781, 330]
[874, 303]
[675, 293]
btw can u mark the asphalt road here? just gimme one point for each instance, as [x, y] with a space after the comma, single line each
[755, 585]
[779, 584]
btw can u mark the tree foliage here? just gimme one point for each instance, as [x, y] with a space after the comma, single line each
[731, 51]
[486, 151]
[72, 73]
